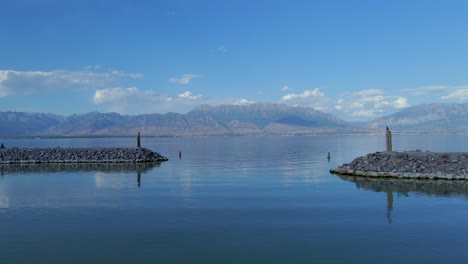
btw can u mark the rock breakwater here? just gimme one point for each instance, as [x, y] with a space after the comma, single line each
[78, 155]
[409, 165]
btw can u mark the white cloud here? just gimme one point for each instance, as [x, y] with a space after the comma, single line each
[368, 92]
[309, 98]
[136, 101]
[306, 94]
[108, 96]
[442, 92]
[401, 102]
[188, 95]
[133, 101]
[432, 93]
[131, 75]
[459, 93]
[430, 89]
[30, 82]
[339, 105]
[183, 79]
[369, 104]
[285, 89]
[243, 102]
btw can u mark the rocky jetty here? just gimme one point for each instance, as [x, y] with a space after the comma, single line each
[78, 155]
[408, 165]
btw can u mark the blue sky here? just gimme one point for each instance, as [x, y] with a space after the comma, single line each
[355, 59]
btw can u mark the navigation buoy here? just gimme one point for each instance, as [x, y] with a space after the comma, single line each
[180, 154]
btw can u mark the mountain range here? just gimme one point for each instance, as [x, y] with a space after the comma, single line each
[426, 118]
[252, 119]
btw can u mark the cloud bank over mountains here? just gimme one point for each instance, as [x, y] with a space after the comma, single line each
[108, 90]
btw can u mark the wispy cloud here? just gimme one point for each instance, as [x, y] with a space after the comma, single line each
[365, 113]
[222, 49]
[243, 102]
[93, 67]
[188, 95]
[440, 92]
[31, 82]
[401, 103]
[369, 103]
[309, 98]
[430, 89]
[459, 93]
[112, 95]
[306, 94]
[130, 75]
[132, 100]
[286, 89]
[368, 92]
[183, 79]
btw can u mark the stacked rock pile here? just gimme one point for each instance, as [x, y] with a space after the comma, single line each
[78, 155]
[408, 164]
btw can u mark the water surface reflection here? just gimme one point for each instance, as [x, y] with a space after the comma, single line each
[78, 167]
[403, 188]
[72, 185]
[406, 186]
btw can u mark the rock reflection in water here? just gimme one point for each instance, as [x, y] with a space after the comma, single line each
[74, 167]
[139, 168]
[403, 187]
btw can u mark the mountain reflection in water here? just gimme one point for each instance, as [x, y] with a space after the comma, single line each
[438, 188]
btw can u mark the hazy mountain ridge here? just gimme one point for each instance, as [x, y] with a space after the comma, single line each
[24, 124]
[426, 118]
[204, 120]
[262, 114]
[253, 119]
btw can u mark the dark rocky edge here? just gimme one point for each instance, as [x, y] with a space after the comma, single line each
[408, 165]
[78, 155]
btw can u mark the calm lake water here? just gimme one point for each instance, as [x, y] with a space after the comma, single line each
[264, 199]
